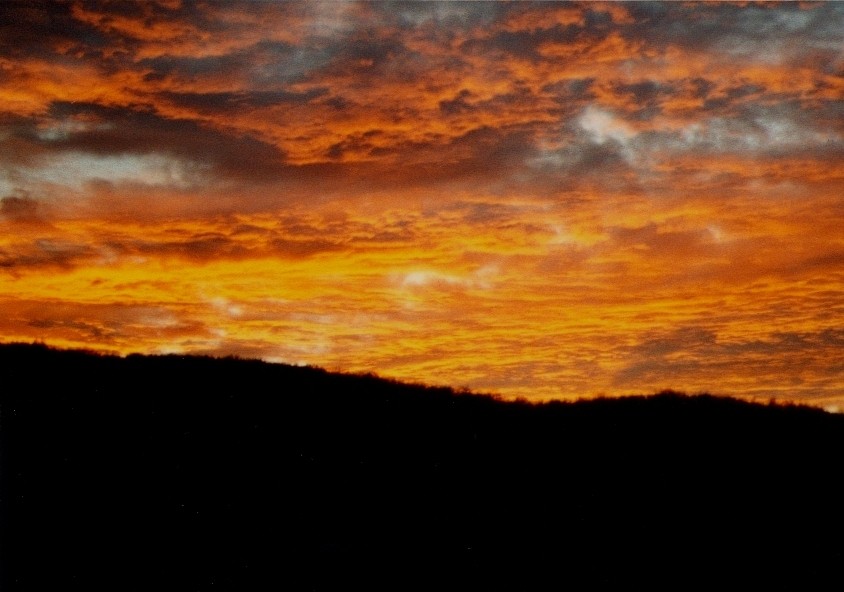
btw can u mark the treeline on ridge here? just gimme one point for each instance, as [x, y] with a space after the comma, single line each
[238, 474]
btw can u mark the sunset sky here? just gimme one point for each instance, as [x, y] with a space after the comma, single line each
[546, 200]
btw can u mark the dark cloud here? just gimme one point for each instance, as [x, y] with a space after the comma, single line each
[519, 97]
[369, 50]
[525, 45]
[679, 340]
[653, 361]
[702, 87]
[45, 29]
[303, 248]
[467, 102]
[822, 263]
[482, 155]
[44, 253]
[581, 158]
[76, 31]
[729, 97]
[104, 322]
[202, 247]
[572, 88]
[370, 57]
[48, 253]
[338, 103]
[236, 243]
[19, 208]
[88, 330]
[652, 238]
[646, 96]
[265, 63]
[458, 105]
[356, 144]
[190, 68]
[597, 20]
[124, 131]
[481, 213]
[597, 158]
[757, 30]
[224, 102]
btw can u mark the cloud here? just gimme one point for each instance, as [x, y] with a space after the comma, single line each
[44, 253]
[19, 208]
[115, 326]
[222, 102]
[589, 196]
[441, 15]
[43, 29]
[680, 354]
[122, 131]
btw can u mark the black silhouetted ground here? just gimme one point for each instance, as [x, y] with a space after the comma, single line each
[190, 473]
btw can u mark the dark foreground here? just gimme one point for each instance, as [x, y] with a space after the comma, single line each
[199, 474]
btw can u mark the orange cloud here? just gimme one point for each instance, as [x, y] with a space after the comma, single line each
[540, 200]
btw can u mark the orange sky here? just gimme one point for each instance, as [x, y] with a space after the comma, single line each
[537, 200]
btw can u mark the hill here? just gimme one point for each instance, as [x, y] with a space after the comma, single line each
[194, 473]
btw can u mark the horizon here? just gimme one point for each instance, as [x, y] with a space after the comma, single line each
[547, 201]
[457, 391]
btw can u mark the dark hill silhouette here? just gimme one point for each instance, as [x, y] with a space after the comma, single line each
[195, 473]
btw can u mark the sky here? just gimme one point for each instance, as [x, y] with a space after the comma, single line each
[538, 200]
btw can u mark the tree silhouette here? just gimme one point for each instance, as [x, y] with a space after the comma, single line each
[206, 473]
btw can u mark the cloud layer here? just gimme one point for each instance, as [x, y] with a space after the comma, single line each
[537, 199]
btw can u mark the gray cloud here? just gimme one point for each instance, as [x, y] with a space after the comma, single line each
[774, 32]
[440, 15]
[655, 362]
[108, 131]
[525, 45]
